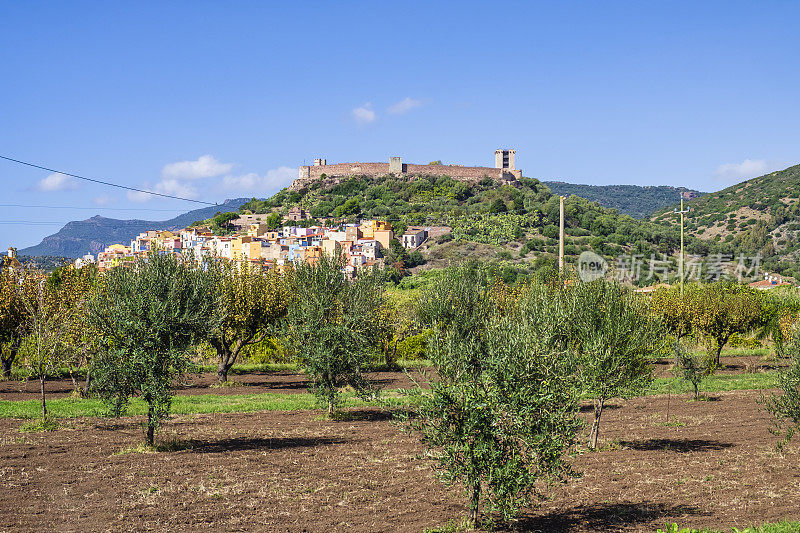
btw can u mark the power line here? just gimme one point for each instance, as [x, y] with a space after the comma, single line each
[104, 182]
[97, 208]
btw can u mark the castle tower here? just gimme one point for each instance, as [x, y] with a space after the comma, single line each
[505, 159]
[396, 165]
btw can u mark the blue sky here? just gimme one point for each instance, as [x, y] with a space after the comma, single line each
[216, 100]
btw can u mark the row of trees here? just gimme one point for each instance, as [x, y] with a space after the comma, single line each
[713, 313]
[132, 330]
[512, 362]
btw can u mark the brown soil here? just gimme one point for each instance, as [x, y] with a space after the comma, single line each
[205, 383]
[714, 466]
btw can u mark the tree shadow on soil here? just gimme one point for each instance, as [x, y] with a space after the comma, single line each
[276, 443]
[676, 445]
[590, 408]
[603, 517]
[363, 415]
[278, 385]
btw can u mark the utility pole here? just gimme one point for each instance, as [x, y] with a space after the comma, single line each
[680, 264]
[561, 236]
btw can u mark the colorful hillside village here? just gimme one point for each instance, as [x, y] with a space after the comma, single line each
[361, 245]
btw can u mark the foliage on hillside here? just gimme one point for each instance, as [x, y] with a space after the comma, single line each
[633, 200]
[517, 220]
[761, 215]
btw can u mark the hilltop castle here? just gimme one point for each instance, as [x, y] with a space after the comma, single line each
[504, 170]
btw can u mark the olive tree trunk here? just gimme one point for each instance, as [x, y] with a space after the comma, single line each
[474, 503]
[598, 412]
[42, 378]
[227, 353]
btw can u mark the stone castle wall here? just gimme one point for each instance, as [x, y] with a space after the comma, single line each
[334, 173]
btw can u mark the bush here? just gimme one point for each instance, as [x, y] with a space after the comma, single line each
[413, 347]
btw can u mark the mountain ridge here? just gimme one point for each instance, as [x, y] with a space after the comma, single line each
[79, 237]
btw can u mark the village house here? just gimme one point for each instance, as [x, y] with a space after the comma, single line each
[360, 245]
[413, 239]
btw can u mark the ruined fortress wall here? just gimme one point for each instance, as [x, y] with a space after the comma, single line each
[309, 174]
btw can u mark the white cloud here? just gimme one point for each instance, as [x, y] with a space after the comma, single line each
[57, 182]
[135, 196]
[252, 182]
[170, 187]
[749, 168]
[206, 166]
[104, 200]
[364, 114]
[404, 106]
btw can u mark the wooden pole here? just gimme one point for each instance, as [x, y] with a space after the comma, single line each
[561, 236]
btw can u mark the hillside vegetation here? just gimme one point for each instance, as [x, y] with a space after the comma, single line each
[761, 215]
[517, 226]
[633, 200]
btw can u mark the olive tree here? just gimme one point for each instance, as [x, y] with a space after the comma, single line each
[148, 315]
[48, 320]
[332, 326]
[613, 336]
[785, 407]
[251, 305]
[693, 368]
[502, 411]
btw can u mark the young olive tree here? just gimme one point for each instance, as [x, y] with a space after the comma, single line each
[148, 315]
[251, 306]
[691, 367]
[785, 407]
[332, 326]
[613, 336]
[502, 412]
[48, 315]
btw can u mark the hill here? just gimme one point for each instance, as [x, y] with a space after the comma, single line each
[94, 234]
[760, 215]
[633, 200]
[512, 226]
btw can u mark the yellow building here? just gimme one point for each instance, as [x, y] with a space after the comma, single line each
[369, 227]
[237, 254]
[251, 251]
[257, 229]
[384, 236]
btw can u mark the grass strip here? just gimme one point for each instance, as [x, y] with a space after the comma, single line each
[184, 405]
[777, 527]
[717, 383]
[245, 403]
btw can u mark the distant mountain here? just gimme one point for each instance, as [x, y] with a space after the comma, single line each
[633, 200]
[93, 235]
